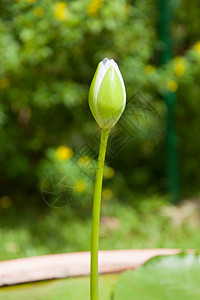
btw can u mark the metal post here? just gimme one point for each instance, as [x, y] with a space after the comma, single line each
[170, 99]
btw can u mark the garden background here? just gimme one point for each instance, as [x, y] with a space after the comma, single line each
[49, 51]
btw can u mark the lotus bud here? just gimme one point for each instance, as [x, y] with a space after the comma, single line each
[107, 94]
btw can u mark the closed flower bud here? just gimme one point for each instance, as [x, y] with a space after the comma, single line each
[107, 94]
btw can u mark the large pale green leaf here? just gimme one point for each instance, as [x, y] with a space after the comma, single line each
[174, 277]
[63, 289]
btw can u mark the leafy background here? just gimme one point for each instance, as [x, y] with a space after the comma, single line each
[48, 54]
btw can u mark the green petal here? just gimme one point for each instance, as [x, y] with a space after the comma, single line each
[110, 99]
[91, 94]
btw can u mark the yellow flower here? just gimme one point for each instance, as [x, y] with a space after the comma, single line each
[109, 172]
[64, 153]
[84, 161]
[197, 46]
[172, 86]
[5, 202]
[179, 59]
[107, 194]
[80, 186]
[38, 12]
[149, 69]
[61, 11]
[179, 69]
[4, 83]
[93, 7]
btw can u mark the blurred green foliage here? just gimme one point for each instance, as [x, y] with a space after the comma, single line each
[152, 223]
[48, 54]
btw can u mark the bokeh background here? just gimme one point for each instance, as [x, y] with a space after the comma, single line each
[49, 51]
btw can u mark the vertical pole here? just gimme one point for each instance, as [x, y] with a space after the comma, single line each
[170, 99]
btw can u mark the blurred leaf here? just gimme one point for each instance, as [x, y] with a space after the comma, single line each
[164, 278]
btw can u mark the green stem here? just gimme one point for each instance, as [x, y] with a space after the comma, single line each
[96, 216]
